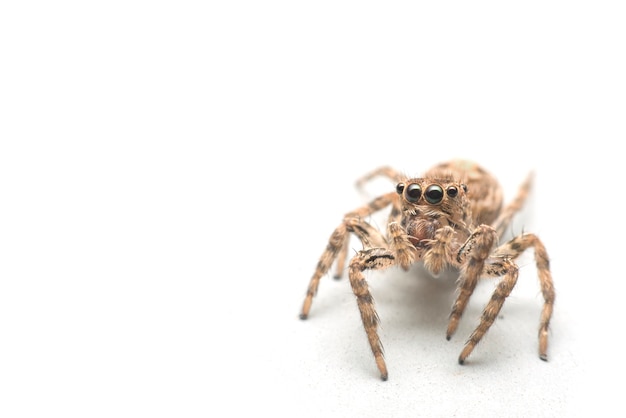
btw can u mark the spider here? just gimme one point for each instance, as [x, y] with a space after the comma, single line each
[452, 216]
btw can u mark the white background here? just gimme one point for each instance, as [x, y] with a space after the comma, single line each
[170, 173]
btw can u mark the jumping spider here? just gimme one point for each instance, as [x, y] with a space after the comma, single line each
[452, 216]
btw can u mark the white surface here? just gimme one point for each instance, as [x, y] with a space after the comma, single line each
[169, 175]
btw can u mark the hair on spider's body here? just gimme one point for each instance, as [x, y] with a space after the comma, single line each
[452, 216]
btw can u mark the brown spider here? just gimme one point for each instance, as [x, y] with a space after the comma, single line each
[451, 216]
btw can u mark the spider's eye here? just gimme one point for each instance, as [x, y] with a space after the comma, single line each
[434, 194]
[452, 191]
[400, 188]
[413, 193]
[464, 187]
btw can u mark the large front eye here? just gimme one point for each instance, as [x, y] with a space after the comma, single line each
[413, 193]
[434, 194]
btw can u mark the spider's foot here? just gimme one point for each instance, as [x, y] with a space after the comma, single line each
[452, 325]
[306, 306]
[337, 276]
[382, 367]
[467, 350]
[543, 343]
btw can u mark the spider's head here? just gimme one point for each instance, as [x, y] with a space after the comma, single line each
[428, 204]
[432, 193]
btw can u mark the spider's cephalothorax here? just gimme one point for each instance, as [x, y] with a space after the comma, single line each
[452, 216]
[430, 204]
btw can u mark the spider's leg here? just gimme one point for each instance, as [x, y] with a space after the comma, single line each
[394, 216]
[373, 259]
[341, 259]
[334, 246]
[497, 268]
[359, 228]
[513, 249]
[352, 223]
[385, 171]
[471, 256]
[501, 264]
[504, 220]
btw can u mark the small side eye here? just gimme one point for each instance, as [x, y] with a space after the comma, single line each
[434, 194]
[413, 193]
[452, 191]
[464, 187]
[400, 188]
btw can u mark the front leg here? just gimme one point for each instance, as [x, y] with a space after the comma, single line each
[370, 259]
[513, 249]
[495, 267]
[471, 257]
[500, 263]
[337, 246]
[369, 236]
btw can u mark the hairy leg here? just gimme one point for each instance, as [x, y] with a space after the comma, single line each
[353, 223]
[374, 259]
[493, 307]
[354, 218]
[471, 257]
[513, 249]
[500, 263]
[385, 171]
[504, 219]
